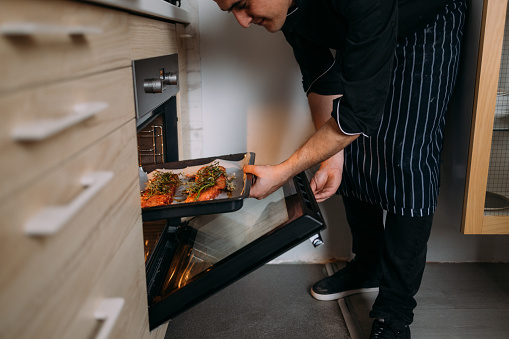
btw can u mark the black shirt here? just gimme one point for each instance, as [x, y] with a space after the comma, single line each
[363, 34]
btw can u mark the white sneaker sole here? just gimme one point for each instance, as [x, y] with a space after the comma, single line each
[335, 296]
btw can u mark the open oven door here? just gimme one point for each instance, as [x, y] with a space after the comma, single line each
[190, 259]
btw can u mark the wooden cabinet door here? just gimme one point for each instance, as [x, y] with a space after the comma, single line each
[49, 41]
[487, 176]
[44, 280]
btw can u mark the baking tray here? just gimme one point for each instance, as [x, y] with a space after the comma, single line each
[222, 204]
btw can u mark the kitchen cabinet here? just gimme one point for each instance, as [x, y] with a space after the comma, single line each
[72, 240]
[487, 182]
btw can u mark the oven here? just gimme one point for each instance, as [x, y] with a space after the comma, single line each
[195, 249]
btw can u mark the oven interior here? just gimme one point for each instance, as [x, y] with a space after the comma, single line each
[158, 137]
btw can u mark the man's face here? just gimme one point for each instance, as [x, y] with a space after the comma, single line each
[271, 14]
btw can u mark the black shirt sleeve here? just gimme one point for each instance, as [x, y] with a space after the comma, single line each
[366, 64]
[320, 71]
[362, 67]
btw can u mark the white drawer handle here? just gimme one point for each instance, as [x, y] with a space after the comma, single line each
[108, 311]
[32, 28]
[42, 129]
[51, 219]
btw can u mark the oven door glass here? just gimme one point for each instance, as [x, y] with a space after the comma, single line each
[190, 259]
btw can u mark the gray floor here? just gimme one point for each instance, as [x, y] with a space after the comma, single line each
[271, 302]
[455, 301]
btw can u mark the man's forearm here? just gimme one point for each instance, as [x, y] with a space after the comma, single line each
[323, 144]
[321, 108]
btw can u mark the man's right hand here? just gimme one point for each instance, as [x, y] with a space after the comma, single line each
[268, 179]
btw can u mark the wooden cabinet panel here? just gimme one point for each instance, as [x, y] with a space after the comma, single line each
[496, 224]
[44, 56]
[490, 49]
[45, 280]
[151, 38]
[124, 278]
[77, 53]
[24, 162]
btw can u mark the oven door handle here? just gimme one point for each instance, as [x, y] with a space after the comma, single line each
[51, 219]
[108, 312]
[43, 129]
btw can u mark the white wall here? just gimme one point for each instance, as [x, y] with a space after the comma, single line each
[249, 78]
[252, 100]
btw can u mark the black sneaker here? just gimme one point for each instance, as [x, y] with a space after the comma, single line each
[351, 279]
[381, 330]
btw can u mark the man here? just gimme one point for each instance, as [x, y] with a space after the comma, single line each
[378, 105]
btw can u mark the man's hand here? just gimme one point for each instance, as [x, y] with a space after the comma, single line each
[327, 179]
[268, 179]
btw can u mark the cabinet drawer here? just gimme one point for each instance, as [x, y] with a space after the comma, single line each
[123, 278]
[151, 38]
[44, 280]
[66, 39]
[112, 90]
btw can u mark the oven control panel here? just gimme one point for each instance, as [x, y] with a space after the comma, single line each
[155, 82]
[158, 85]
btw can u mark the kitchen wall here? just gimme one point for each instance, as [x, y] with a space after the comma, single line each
[252, 100]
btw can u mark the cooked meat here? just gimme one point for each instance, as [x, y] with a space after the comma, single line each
[209, 193]
[160, 190]
[156, 200]
[208, 184]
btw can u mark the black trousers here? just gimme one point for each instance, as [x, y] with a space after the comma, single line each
[396, 252]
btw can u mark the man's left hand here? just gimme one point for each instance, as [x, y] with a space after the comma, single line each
[327, 179]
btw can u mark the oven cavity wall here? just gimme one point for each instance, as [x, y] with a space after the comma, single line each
[71, 62]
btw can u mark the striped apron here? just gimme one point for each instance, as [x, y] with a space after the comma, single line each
[398, 167]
